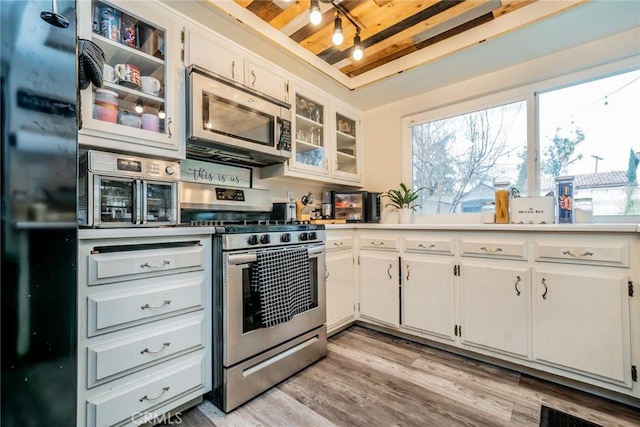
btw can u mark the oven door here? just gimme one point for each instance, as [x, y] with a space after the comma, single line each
[159, 203]
[115, 202]
[243, 334]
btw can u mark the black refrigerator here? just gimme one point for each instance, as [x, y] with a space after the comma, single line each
[39, 226]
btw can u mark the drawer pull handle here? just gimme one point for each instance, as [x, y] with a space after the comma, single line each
[157, 307]
[146, 350]
[389, 270]
[518, 279]
[326, 274]
[491, 251]
[544, 283]
[337, 243]
[431, 246]
[147, 265]
[377, 244]
[407, 271]
[145, 397]
[233, 69]
[571, 254]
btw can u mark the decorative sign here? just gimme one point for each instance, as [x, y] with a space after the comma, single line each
[215, 173]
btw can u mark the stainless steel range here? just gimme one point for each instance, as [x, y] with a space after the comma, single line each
[268, 290]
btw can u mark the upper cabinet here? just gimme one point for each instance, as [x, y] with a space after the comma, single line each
[214, 53]
[326, 140]
[138, 108]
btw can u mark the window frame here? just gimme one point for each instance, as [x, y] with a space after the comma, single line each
[528, 93]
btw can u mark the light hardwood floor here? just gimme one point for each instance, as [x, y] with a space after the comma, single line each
[372, 379]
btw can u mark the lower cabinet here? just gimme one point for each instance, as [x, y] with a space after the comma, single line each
[581, 321]
[341, 280]
[144, 331]
[428, 295]
[494, 307]
[379, 286]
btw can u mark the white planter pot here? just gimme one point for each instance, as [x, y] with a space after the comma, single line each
[405, 216]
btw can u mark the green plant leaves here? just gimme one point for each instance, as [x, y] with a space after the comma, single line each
[403, 198]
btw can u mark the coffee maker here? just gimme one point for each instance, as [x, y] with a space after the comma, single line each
[327, 205]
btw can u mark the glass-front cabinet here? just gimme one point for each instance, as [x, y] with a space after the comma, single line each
[347, 154]
[136, 109]
[310, 147]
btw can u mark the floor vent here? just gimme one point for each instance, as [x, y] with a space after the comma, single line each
[553, 418]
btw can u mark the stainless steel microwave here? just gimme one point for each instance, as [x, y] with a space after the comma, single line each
[229, 122]
[118, 190]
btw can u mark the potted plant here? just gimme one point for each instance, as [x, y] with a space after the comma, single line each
[403, 200]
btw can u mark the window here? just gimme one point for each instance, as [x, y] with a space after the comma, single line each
[458, 158]
[591, 131]
[588, 130]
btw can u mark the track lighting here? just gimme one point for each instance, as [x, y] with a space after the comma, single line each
[338, 37]
[315, 16]
[357, 47]
[139, 107]
[161, 113]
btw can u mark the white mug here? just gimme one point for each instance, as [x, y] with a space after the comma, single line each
[151, 122]
[150, 85]
[109, 74]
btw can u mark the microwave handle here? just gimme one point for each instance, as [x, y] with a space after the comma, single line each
[142, 185]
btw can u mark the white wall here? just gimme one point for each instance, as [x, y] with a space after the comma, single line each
[382, 127]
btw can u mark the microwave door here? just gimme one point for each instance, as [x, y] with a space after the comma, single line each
[115, 201]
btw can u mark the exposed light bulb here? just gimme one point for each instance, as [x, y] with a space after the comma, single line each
[209, 125]
[139, 108]
[161, 113]
[337, 37]
[315, 16]
[357, 48]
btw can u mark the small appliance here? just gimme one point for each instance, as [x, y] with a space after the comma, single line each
[356, 206]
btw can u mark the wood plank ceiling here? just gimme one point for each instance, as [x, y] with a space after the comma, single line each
[389, 29]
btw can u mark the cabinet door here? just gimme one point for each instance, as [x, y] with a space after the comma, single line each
[210, 52]
[428, 295]
[379, 287]
[265, 80]
[138, 107]
[341, 288]
[495, 307]
[581, 322]
[347, 153]
[309, 149]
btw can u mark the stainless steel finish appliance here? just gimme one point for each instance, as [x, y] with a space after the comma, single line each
[231, 123]
[249, 358]
[38, 289]
[118, 190]
[356, 206]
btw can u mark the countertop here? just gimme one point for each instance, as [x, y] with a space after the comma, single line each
[550, 228]
[118, 233]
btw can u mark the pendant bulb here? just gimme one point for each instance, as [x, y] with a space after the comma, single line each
[338, 36]
[315, 16]
[357, 47]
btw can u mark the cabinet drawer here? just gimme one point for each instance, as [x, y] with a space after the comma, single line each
[614, 254]
[506, 249]
[135, 399]
[112, 358]
[429, 245]
[111, 267]
[338, 243]
[376, 242]
[118, 309]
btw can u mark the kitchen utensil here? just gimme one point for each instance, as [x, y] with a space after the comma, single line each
[109, 74]
[150, 85]
[110, 23]
[128, 74]
[128, 32]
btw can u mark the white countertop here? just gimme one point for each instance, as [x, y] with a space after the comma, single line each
[118, 233]
[551, 228]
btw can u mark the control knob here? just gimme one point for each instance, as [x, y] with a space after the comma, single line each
[265, 239]
[252, 240]
[285, 238]
[313, 235]
[303, 236]
[170, 170]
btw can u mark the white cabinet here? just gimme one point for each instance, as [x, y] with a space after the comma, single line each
[581, 321]
[428, 295]
[379, 278]
[140, 109]
[144, 326]
[495, 306]
[212, 52]
[326, 141]
[341, 280]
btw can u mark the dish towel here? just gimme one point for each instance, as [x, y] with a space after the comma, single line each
[281, 277]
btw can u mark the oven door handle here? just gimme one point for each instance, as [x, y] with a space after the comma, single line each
[247, 258]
